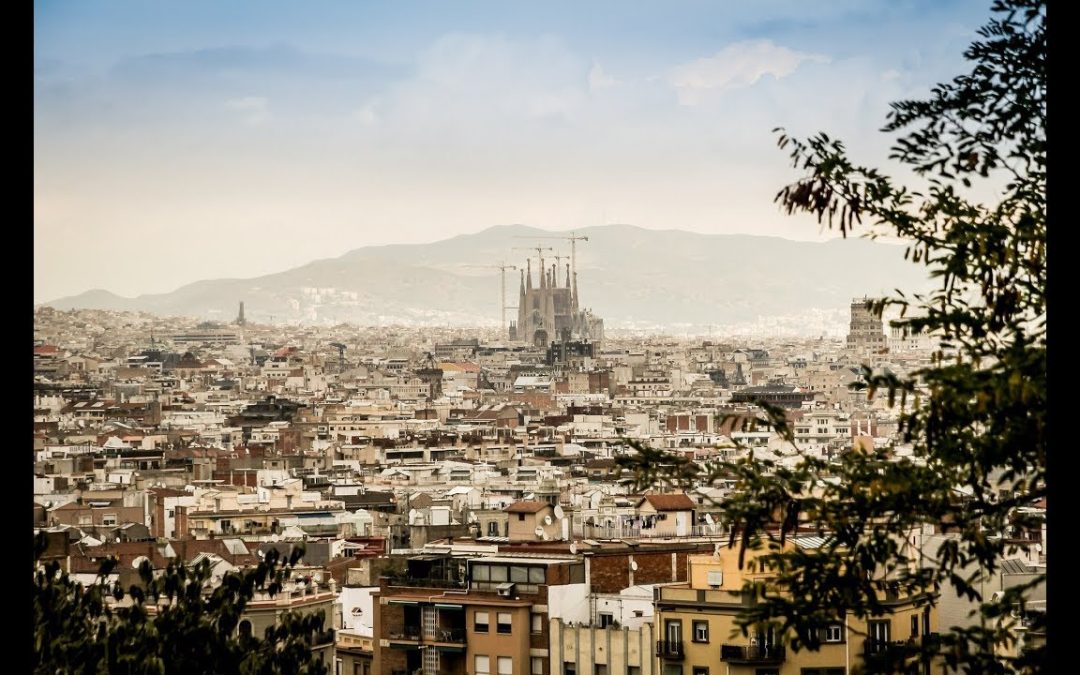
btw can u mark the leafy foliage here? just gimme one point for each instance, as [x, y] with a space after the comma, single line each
[976, 417]
[175, 622]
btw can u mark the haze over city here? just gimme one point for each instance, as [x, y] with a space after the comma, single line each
[256, 137]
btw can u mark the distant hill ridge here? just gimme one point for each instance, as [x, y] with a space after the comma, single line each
[626, 274]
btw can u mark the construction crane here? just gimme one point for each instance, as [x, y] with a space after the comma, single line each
[539, 251]
[573, 239]
[502, 267]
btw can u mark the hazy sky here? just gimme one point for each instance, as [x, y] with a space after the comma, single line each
[182, 140]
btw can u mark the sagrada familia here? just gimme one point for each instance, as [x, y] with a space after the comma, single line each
[550, 313]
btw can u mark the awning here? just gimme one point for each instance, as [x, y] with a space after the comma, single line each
[412, 603]
[449, 648]
[404, 645]
[440, 606]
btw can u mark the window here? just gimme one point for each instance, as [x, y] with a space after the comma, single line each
[537, 622]
[569, 668]
[701, 631]
[606, 619]
[536, 575]
[877, 636]
[480, 623]
[821, 671]
[537, 666]
[506, 665]
[503, 622]
[633, 670]
[483, 665]
[914, 625]
[673, 630]
[481, 573]
[834, 633]
[521, 516]
[700, 670]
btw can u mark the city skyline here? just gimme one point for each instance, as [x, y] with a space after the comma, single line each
[257, 138]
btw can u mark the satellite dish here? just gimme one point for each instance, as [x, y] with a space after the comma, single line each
[559, 512]
[547, 520]
[544, 536]
[539, 531]
[708, 518]
[573, 548]
[633, 565]
[139, 560]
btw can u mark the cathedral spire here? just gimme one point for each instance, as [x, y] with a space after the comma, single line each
[528, 277]
[568, 276]
[573, 295]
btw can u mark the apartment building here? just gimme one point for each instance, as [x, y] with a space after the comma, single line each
[697, 633]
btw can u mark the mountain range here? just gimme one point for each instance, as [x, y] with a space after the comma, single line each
[628, 275]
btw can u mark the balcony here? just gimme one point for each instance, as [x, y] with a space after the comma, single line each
[410, 582]
[451, 635]
[408, 633]
[670, 650]
[753, 654]
[888, 653]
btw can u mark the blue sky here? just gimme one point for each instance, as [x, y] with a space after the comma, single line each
[176, 141]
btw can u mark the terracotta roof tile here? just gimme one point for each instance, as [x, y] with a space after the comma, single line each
[676, 502]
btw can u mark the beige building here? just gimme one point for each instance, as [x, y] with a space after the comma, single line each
[589, 650]
[697, 633]
[666, 515]
[533, 521]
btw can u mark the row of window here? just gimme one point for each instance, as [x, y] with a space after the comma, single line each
[673, 631]
[570, 668]
[675, 669]
[504, 622]
[504, 665]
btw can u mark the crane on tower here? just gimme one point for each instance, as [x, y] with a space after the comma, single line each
[574, 238]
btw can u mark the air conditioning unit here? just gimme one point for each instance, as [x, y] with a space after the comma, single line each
[715, 578]
[505, 590]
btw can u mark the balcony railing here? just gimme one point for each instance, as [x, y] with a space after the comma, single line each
[753, 653]
[669, 650]
[407, 633]
[456, 635]
[323, 637]
[889, 650]
[411, 582]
